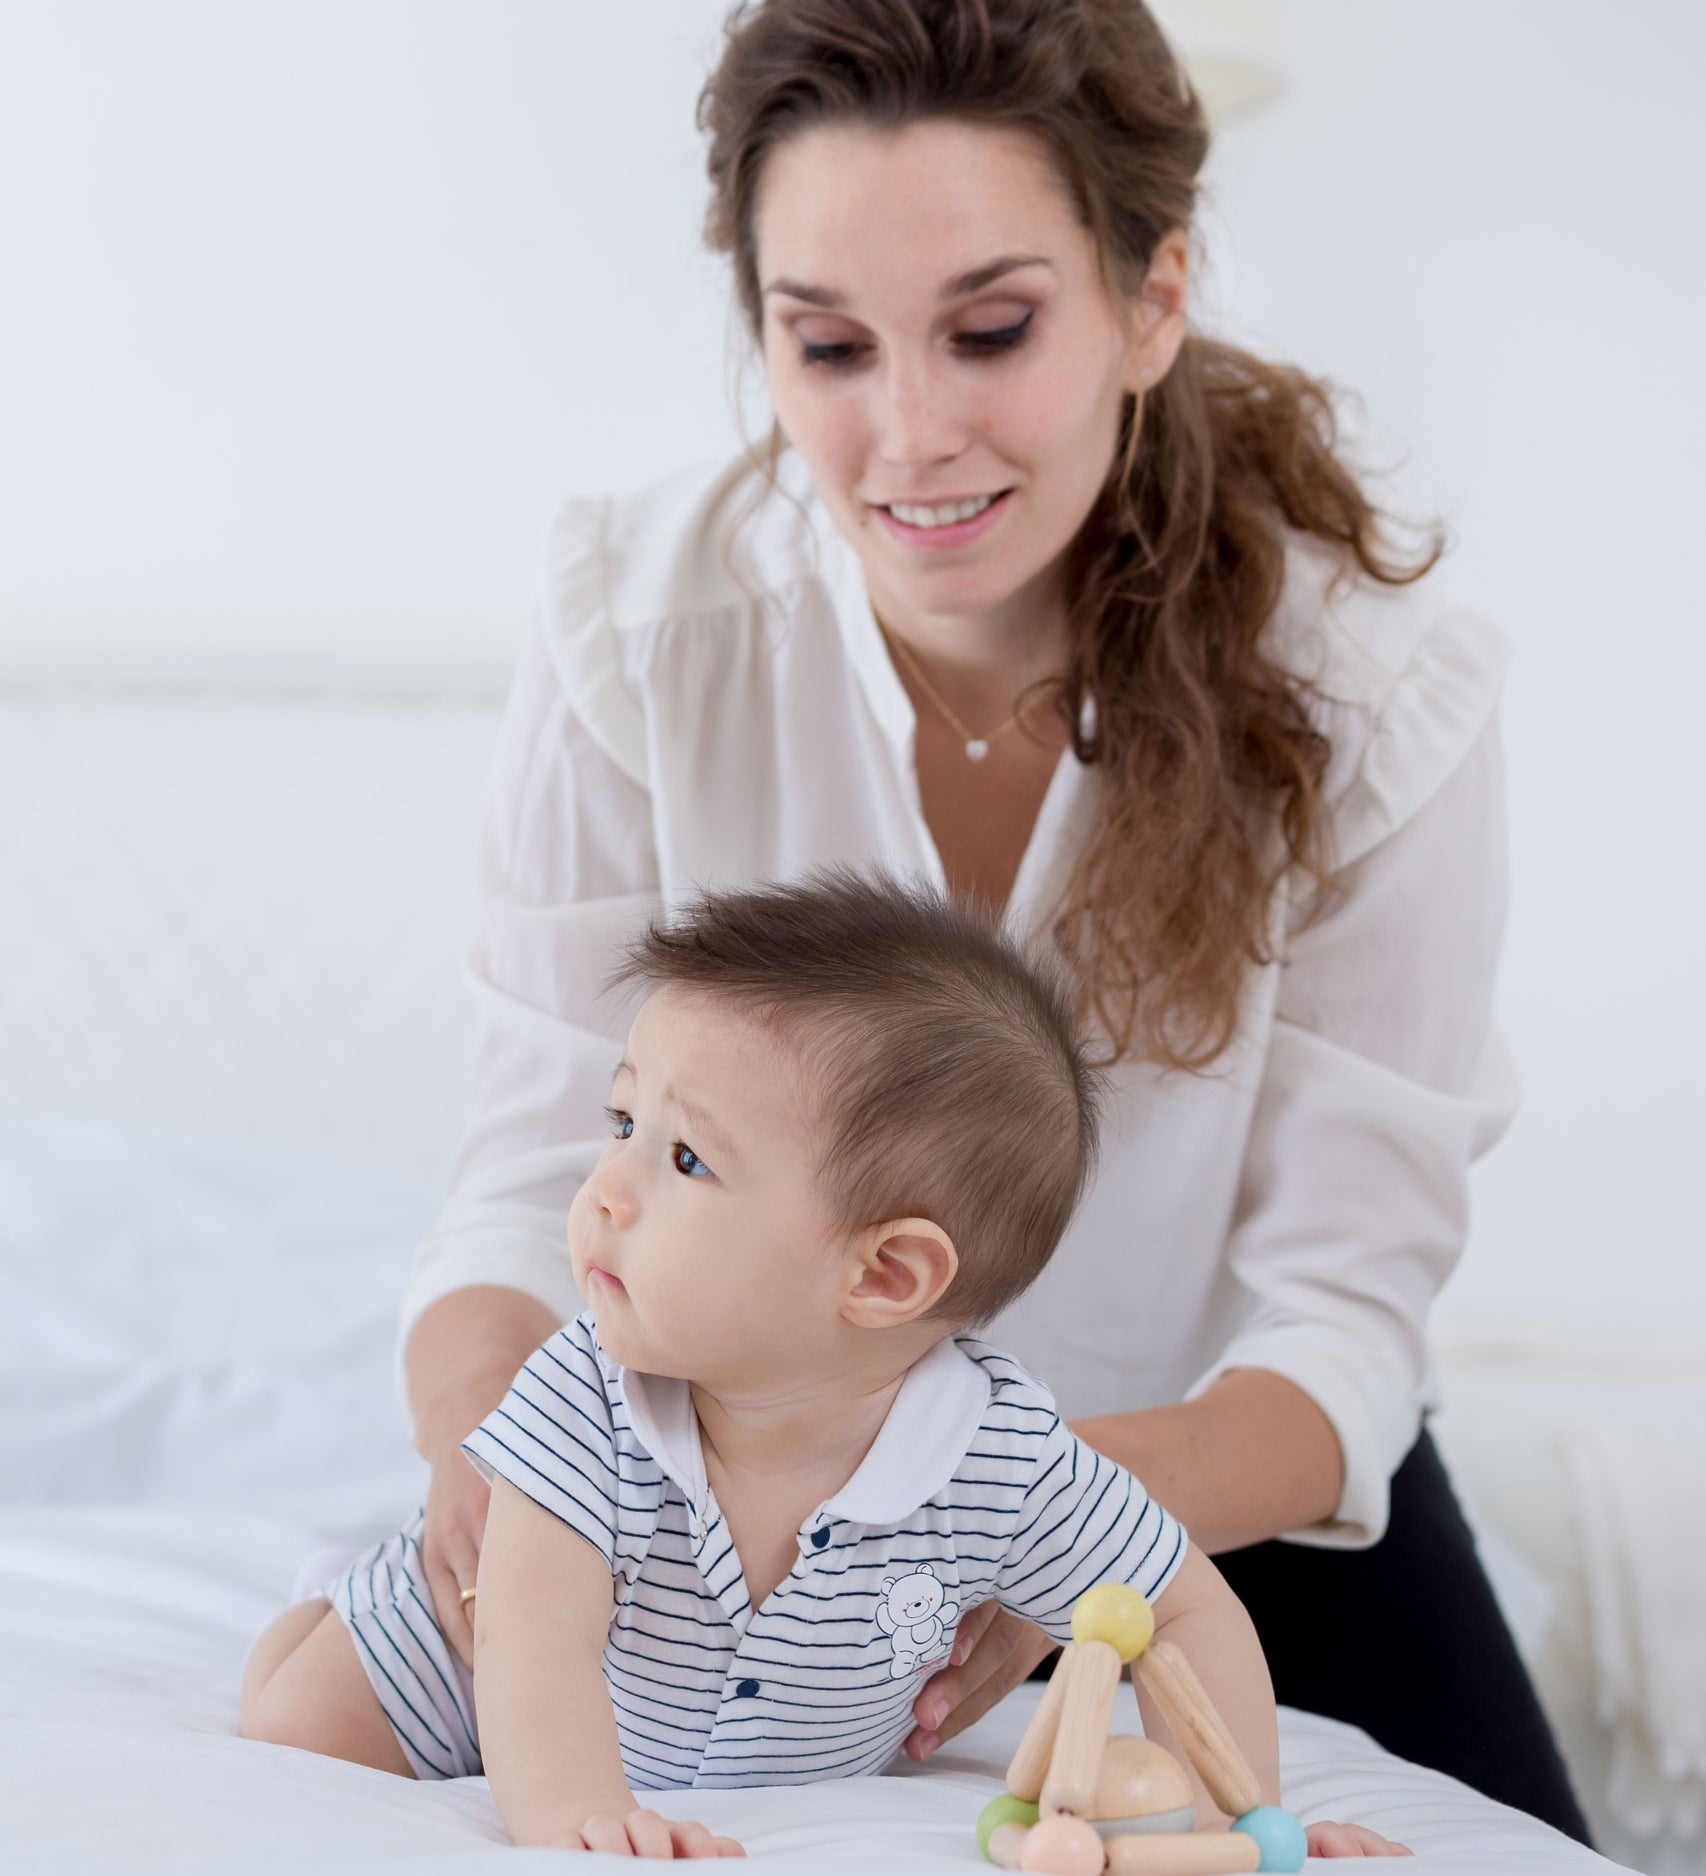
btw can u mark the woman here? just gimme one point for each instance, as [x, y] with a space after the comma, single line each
[1041, 593]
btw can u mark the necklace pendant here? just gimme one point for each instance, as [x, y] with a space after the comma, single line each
[977, 748]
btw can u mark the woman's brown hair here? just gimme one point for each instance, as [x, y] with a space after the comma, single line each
[1211, 764]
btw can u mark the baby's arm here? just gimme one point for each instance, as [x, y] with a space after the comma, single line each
[1199, 1613]
[547, 1729]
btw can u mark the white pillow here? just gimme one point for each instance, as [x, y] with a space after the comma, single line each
[187, 1320]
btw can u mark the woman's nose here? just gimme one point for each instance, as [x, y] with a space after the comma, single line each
[915, 419]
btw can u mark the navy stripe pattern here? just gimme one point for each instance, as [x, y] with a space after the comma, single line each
[427, 1694]
[819, 1682]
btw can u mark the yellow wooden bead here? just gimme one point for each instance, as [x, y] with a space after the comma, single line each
[1117, 1614]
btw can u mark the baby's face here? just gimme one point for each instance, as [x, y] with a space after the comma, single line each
[699, 1241]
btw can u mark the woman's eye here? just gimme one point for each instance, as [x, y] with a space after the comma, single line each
[622, 1125]
[841, 354]
[1000, 339]
[689, 1162]
[995, 339]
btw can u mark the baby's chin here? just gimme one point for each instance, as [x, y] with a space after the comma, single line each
[623, 1343]
[616, 1338]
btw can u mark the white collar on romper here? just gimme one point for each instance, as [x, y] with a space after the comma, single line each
[918, 1448]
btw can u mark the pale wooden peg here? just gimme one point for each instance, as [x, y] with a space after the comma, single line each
[1007, 1845]
[1030, 1763]
[1201, 1853]
[1199, 1729]
[1082, 1735]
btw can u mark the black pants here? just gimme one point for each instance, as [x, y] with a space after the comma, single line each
[1406, 1641]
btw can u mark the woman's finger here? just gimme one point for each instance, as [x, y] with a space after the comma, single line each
[726, 1846]
[459, 1565]
[1014, 1662]
[947, 1690]
[450, 1547]
[446, 1596]
[973, 1627]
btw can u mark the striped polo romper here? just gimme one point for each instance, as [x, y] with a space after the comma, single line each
[973, 1490]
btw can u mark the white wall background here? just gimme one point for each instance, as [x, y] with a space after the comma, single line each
[310, 313]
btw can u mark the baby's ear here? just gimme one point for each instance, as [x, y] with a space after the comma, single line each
[896, 1272]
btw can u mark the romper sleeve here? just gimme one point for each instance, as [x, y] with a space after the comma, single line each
[553, 1436]
[1083, 1520]
[567, 873]
[1385, 1076]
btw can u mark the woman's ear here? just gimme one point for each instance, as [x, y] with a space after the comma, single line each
[1158, 317]
[896, 1272]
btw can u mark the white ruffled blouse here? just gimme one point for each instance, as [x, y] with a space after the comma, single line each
[707, 700]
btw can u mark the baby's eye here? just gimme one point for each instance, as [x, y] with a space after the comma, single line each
[622, 1125]
[689, 1162]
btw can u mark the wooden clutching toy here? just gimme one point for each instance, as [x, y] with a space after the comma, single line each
[1079, 1802]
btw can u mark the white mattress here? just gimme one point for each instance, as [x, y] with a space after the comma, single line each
[194, 1393]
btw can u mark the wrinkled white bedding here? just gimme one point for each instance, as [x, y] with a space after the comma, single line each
[123, 1630]
[195, 1391]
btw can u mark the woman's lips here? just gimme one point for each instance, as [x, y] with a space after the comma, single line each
[956, 534]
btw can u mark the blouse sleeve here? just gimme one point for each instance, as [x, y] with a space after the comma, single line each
[567, 873]
[1385, 1078]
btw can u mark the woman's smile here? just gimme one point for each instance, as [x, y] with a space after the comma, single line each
[948, 524]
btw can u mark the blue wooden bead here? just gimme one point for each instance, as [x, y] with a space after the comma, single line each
[1278, 1836]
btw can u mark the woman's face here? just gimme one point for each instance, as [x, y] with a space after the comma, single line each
[940, 343]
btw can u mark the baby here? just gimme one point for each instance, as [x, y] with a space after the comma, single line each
[740, 1504]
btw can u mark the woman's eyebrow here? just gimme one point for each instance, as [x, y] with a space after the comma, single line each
[973, 281]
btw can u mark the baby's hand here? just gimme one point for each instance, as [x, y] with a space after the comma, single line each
[1350, 1840]
[644, 1833]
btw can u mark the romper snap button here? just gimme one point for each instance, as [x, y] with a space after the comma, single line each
[820, 1537]
[747, 1689]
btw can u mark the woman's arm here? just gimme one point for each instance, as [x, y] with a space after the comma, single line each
[462, 1354]
[567, 872]
[1384, 1078]
[1251, 1456]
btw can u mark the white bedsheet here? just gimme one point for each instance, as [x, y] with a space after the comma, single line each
[194, 1393]
[123, 1631]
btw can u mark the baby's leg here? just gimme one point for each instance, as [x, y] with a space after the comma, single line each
[304, 1686]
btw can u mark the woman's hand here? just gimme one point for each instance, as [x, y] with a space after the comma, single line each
[645, 1833]
[993, 1653]
[461, 1356]
[1350, 1840]
[450, 1541]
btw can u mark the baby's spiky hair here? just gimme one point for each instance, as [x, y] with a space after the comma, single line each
[950, 1078]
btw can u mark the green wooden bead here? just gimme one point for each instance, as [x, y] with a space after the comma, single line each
[1003, 1810]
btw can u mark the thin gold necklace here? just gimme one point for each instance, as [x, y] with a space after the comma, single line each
[976, 747]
